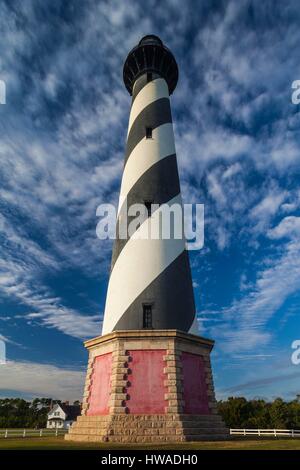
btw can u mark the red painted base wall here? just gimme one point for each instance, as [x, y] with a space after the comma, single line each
[145, 387]
[100, 386]
[147, 390]
[194, 385]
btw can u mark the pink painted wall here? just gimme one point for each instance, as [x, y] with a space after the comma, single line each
[146, 390]
[194, 386]
[100, 386]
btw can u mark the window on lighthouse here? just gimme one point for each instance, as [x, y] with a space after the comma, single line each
[148, 132]
[147, 316]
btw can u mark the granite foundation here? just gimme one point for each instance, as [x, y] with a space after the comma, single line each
[148, 386]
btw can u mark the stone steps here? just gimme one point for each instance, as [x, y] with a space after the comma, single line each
[148, 431]
[146, 428]
[149, 423]
[154, 426]
[147, 439]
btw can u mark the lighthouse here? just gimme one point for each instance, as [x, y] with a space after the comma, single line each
[149, 376]
[150, 283]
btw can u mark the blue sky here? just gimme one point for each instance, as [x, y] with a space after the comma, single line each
[63, 132]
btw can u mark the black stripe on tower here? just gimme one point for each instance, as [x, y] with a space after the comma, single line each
[159, 184]
[154, 115]
[172, 296]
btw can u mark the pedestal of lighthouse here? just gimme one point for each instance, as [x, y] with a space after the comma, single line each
[148, 386]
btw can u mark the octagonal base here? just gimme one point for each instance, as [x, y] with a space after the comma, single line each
[148, 386]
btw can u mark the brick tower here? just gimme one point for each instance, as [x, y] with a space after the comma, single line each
[149, 376]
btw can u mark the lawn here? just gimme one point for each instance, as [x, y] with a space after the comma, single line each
[58, 443]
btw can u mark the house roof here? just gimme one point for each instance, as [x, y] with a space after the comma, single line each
[71, 411]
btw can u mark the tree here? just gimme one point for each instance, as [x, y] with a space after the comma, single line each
[19, 413]
[238, 412]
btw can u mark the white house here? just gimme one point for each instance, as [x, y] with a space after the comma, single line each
[62, 415]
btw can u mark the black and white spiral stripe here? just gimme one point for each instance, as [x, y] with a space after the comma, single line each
[150, 270]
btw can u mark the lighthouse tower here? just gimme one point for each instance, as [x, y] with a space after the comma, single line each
[149, 375]
[150, 283]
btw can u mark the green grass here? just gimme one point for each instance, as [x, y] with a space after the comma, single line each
[58, 443]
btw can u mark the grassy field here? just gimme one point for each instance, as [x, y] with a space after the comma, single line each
[58, 443]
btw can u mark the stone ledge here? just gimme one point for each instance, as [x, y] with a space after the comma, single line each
[173, 396]
[118, 409]
[146, 334]
[174, 376]
[173, 369]
[173, 409]
[119, 383]
[172, 382]
[175, 389]
[171, 357]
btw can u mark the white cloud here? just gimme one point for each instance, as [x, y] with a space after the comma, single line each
[216, 190]
[288, 227]
[21, 267]
[42, 380]
[267, 208]
[244, 325]
[51, 84]
[289, 207]
[222, 238]
[232, 170]
[285, 153]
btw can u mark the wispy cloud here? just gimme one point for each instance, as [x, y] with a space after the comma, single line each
[260, 384]
[38, 379]
[244, 326]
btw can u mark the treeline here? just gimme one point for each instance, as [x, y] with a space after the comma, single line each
[19, 413]
[237, 412]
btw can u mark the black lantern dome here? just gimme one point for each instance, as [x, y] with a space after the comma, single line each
[150, 55]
